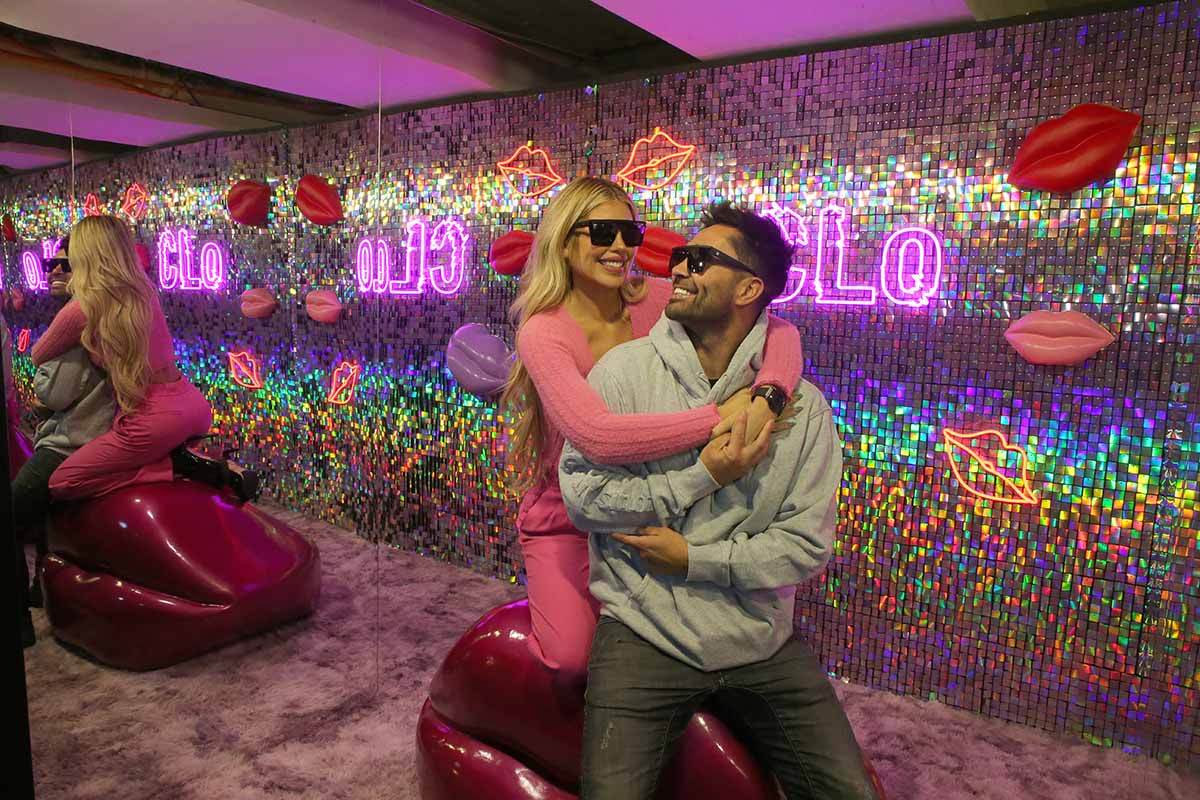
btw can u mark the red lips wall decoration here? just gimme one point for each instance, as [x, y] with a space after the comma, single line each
[654, 255]
[91, 206]
[23, 340]
[244, 370]
[528, 171]
[10, 230]
[988, 467]
[143, 254]
[318, 201]
[655, 161]
[1057, 338]
[1083, 146]
[248, 202]
[509, 253]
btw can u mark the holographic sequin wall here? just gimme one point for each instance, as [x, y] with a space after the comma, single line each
[1044, 573]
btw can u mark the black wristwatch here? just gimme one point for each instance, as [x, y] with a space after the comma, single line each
[776, 398]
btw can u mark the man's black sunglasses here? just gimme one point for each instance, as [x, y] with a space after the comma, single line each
[700, 257]
[48, 264]
[603, 232]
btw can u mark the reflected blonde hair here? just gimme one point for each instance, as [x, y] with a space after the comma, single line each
[116, 296]
[545, 284]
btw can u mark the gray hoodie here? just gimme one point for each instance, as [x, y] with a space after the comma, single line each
[749, 543]
[80, 396]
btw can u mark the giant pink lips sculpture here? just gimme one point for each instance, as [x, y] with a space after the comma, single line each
[495, 727]
[1058, 338]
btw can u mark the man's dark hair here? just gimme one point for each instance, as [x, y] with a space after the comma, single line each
[759, 244]
[65, 244]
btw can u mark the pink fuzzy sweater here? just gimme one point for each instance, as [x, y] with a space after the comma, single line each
[555, 351]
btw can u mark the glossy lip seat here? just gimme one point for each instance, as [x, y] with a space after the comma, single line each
[155, 574]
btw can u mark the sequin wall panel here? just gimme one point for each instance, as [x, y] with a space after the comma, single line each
[1016, 539]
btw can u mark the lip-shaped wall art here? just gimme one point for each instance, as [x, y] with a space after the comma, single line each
[134, 201]
[248, 202]
[323, 306]
[655, 161]
[1057, 338]
[342, 384]
[529, 172]
[1081, 147]
[654, 255]
[258, 303]
[10, 230]
[509, 253]
[23, 340]
[244, 370]
[974, 460]
[318, 201]
[91, 206]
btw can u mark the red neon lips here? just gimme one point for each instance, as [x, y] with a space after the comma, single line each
[91, 206]
[23, 340]
[654, 255]
[529, 172]
[974, 460]
[1062, 338]
[1083, 146]
[134, 201]
[509, 253]
[244, 370]
[341, 386]
[655, 161]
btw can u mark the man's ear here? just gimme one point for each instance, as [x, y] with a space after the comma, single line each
[749, 291]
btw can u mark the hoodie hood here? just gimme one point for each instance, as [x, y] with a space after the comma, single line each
[674, 346]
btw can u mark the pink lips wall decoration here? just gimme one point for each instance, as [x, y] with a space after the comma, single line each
[1057, 338]
[258, 303]
[323, 306]
[1083, 146]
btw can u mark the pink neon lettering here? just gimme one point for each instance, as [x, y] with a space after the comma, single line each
[413, 281]
[910, 268]
[168, 260]
[447, 278]
[189, 279]
[212, 266]
[373, 264]
[850, 295]
[796, 232]
[31, 268]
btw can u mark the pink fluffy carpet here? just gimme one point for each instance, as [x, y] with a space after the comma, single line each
[326, 708]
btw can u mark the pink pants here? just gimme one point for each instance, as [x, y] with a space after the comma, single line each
[135, 450]
[563, 610]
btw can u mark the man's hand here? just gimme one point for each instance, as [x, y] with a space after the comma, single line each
[665, 551]
[729, 457]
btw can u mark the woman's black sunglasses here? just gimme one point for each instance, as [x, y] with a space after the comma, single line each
[700, 257]
[48, 264]
[603, 232]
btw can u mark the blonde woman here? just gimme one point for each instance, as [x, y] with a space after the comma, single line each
[576, 302]
[114, 313]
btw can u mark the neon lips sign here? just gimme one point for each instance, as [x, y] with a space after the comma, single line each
[909, 271]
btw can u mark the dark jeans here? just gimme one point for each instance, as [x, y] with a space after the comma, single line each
[639, 700]
[31, 504]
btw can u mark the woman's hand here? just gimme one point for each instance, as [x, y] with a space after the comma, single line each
[732, 455]
[759, 416]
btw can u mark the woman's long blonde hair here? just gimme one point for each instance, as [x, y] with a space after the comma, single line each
[116, 296]
[545, 283]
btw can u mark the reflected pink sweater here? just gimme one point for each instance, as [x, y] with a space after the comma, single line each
[555, 351]
[67, 327]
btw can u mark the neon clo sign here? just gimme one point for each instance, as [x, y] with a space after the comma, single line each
[909, 271]
[180, 266]
[433, 259]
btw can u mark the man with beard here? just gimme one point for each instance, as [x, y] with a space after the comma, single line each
[697, 607]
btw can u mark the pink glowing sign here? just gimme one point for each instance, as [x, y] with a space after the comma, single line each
[31, 264]
[177, 267]
[910, 265]
[436, 259]
[342, 383]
